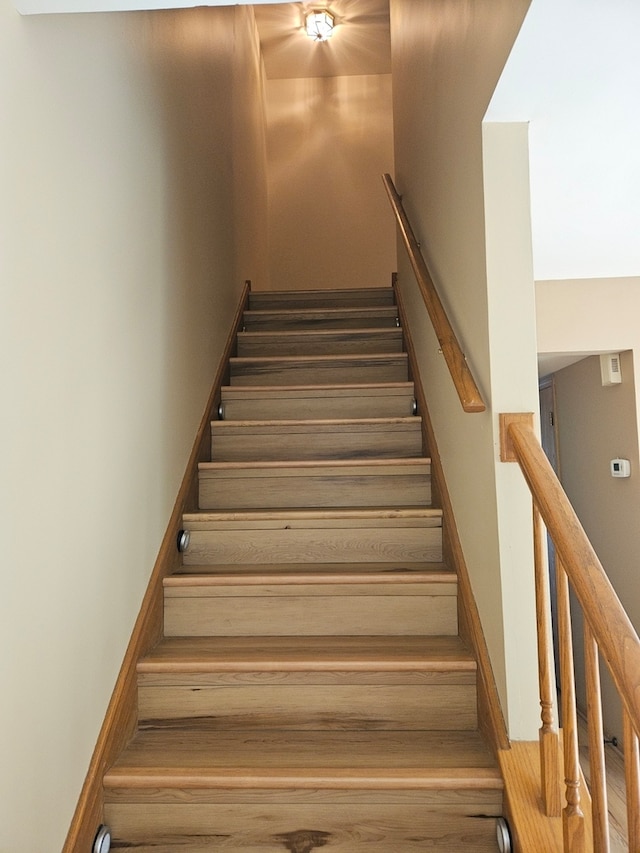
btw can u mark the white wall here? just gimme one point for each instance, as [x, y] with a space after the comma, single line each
[574, 73]
[447, 58]
[330, 139]
[117, 285]
[596, 424]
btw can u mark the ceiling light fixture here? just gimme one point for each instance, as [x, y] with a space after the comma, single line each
[319, 25]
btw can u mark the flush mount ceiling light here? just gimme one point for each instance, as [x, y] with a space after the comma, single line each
[319, 25]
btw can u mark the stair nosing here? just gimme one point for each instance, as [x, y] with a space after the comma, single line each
[425, 654]
[343, 389]
[313, 422]
[240, 360]
[395, 331]
[282, 514]
[293, 578]
[400, 461]
[390, 309]
[376, 778]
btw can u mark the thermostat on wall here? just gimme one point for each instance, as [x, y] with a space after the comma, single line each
[620, 468]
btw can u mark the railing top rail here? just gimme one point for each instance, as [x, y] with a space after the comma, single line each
[616, 637]
[465, 385]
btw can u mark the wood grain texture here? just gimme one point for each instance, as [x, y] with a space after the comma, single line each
[276, 759]
[315, 483]
[506, 419]
[319, 369]
[120, 718]
[321, 318]
[298, 573]
[532, 830]
[371, 438]
[463, 380]
[261, 300]
[317, 402]
[348, 654]
[632, 780]
[303, 828]
[319, 342]
[597, 765]
[549, 740]
[315, 706]
[314, 543]
[309, 615]
[311, 688]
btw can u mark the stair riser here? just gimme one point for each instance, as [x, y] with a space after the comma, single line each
[231, 443]
[329, 342]
[310, 706]
[311, 615]
[354, 298]
[281, 488]
[312, 320]
[319, 545]
[277, 404]
[364, 828]
[326, 370]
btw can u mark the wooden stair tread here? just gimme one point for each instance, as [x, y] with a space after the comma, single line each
[318, 573]
[193, 757]
[326, 653]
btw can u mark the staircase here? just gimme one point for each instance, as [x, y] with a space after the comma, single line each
[311, 689]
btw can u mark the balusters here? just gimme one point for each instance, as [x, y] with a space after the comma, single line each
[632, 780]
[572, 815]
[549, 741]
[599, 805]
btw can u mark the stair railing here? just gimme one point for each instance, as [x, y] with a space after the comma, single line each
[465, 385]
[608, 634]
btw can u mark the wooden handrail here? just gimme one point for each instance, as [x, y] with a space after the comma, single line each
[465, 385]
[611, 627]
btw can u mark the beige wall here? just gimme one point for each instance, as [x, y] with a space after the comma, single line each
[593, 315]
[597, 424]
[329, 141]
[580, 317]
[118, 282]
[447, 58]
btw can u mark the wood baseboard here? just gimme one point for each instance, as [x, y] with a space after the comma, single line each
[490, 716]
[121, 716]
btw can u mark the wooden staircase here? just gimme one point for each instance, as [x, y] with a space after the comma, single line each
[311, 689]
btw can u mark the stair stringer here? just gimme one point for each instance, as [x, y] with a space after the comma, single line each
[490, 717]
[121, 717]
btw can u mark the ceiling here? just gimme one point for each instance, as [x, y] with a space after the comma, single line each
[361, 42]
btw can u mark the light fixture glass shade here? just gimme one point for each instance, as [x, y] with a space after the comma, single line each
[319, 25]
